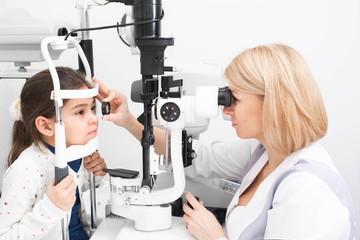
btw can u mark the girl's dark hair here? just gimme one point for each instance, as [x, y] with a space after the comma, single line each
[35, 101]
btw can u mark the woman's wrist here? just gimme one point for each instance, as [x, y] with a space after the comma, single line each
[126, 120]
[134, 127]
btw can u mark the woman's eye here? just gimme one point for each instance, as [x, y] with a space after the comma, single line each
[93, 108]
[234, 100]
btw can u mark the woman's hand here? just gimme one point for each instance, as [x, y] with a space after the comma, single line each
[199, 221]
[119, 110]
[63, 194]
[95, 164]
[121, 116]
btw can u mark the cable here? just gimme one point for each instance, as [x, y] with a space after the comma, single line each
[117, 29]
[116, 26]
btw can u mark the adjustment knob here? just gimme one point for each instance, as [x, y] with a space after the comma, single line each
[170, 112]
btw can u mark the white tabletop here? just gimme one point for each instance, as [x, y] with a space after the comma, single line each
[121, 228]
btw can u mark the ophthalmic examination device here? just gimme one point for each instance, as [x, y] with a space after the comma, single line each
[133, 195]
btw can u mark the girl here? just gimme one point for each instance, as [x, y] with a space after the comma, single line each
[290, 188]
[31, 206]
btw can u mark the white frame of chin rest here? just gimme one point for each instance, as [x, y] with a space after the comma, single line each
[63, 154]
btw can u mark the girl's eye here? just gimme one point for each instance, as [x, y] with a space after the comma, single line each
[80, 112]
[93, 108]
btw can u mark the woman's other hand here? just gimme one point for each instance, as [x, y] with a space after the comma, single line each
[95, 164]
[199, 221]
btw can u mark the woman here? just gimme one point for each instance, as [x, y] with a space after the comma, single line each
[290, 187]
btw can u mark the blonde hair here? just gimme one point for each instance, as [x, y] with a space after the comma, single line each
[293, 112]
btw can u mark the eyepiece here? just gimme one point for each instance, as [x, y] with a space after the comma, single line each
[105, 108]
[62, 31]
[224, 97]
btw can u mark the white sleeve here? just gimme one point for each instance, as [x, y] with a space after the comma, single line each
[304, 207]
[20, 216]
[220, 159]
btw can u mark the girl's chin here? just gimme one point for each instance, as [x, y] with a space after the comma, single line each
[84, 142]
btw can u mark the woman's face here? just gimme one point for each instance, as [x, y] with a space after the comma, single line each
[246, 114]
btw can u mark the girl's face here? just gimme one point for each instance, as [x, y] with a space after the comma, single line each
[81, 122]
[246, 114]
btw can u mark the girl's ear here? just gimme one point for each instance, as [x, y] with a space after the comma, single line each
[45, 126]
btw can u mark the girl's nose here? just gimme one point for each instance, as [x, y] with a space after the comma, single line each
[93, 118]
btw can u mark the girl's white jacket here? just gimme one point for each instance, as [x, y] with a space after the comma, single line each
[25, 210]
[302, 206]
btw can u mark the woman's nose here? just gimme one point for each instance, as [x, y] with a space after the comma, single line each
[228, 110]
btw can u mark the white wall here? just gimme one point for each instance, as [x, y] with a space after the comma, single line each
[325, 32]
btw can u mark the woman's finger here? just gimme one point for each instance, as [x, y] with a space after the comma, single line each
[94, 163]
[100, 96]
[186, 218]
[91, 158]
[103, 90]
[192, 200]
[95, 155]
[112, 94]
[187, 209]
[110, 117]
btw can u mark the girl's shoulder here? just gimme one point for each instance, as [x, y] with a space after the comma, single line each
[33, 158]
[31, 171]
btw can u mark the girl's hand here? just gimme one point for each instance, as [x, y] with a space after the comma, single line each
[119, 110]
[95, 164]
[199, 221]
[63, 194]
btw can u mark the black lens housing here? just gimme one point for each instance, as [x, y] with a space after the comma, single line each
[105, 108]
[224, 97]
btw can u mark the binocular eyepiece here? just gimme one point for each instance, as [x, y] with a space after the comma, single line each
[224, 97]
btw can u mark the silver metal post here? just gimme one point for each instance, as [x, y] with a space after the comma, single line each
[85, 35]
[64, 221]
[57, 112]
[64, 227]
[93, 203]
[84, 20]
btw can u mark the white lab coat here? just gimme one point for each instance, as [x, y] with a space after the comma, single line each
[25, 210]
[303, 206]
